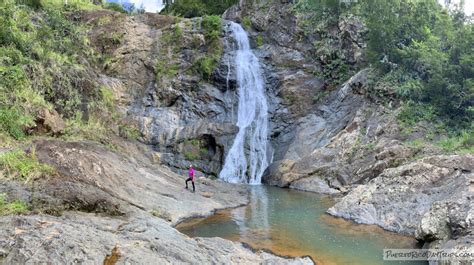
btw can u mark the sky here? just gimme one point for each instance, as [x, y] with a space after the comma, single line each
[149, 5]
[468, 5]
[156, 5]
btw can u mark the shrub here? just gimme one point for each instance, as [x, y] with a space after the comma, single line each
[23, 166]
[14, 122]
[206, 65]
[129, 132]
[164, 70]
[212, 26]
[177, 33]
[15, 207]
[259, 40]
[247, 23]
[464, 142]
[197, 8]
[115, 7]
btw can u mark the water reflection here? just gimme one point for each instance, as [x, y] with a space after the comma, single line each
[293, 223]
[253, 220]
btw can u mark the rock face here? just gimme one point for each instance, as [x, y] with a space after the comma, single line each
[430, 198]
[116, 206]
[153, 72]
[49, 122]
[341, 139]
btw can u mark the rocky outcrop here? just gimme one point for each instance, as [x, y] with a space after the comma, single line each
[345, 139]
[430, 198]
[116, 206]
[152, 69]
[49, 122]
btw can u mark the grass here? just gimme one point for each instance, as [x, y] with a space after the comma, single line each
[23, 166]
[463, 143]
[205, 65]
[163, 69]
[129, 132]
[9, 208]
[259, 40]
[417, 143]
[247, 23]
[320, 96]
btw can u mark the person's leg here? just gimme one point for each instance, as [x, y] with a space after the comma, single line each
[188, 179]
[194, 189]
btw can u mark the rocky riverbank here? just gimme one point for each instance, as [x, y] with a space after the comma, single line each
[347, 140]
[105, 206]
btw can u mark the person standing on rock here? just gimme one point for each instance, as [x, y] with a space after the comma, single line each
[191, 177]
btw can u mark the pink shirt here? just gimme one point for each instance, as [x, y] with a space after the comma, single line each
[191, 173]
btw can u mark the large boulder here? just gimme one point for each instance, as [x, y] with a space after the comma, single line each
[431, 198]
[48, 121]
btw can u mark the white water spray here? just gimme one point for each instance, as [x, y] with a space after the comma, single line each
[252, 117]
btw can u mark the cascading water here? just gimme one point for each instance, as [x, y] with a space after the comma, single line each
[252, 117]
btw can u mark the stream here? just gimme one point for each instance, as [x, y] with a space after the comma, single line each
[293, 223]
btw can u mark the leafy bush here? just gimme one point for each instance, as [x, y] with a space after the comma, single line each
[422, 50]
[15, 207]
[23, 166]
[247, 23]
[212, 26]
[129, 132]
[259, 40]
[206, 65]
[115, 7]
[197, 8]
[464, 142]
[14, 122]
[164, 70]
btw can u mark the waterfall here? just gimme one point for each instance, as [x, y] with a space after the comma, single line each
[241, 165]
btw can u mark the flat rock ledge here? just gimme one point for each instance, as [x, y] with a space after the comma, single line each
[117, 208]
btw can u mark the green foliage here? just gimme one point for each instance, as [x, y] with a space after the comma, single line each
[412, 112]
[247, 23]
[320, 96]
[422, 52]
[10, 208]
[259, 40]
[164, 69]
[115, 7]
[430, 50]
[23, 166]
[464, 142]
[212, 26]
[191, 155]
[197, 8]
[177, 33]
[206, 65]
[94, 128]
[107, 98]
[13, 122]
[129, 132]
[38, 65]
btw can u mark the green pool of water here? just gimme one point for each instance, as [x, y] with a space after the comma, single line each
[294, 223]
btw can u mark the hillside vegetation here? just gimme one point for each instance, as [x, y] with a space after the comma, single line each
[421, 52]
[47, 63]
